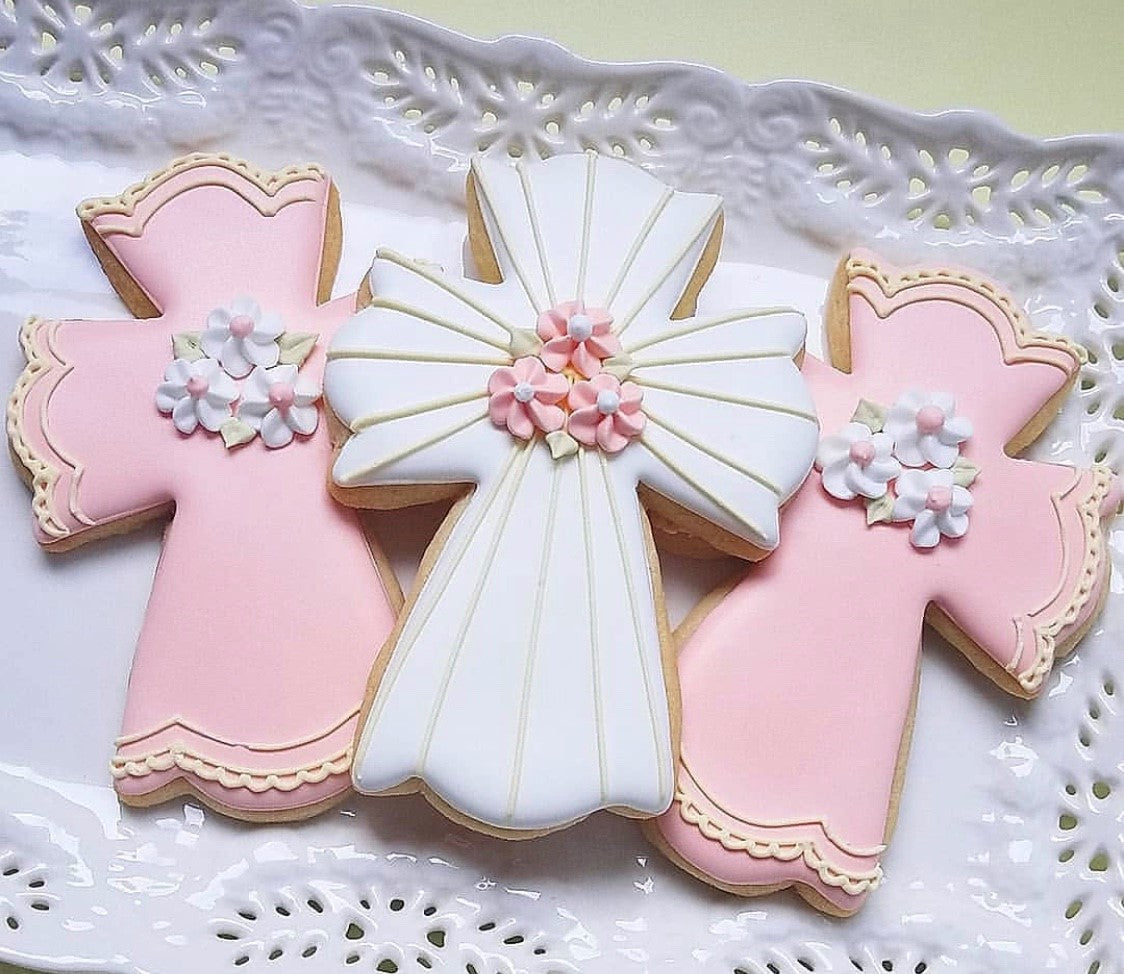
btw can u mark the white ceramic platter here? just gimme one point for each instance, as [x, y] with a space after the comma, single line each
[1009, 855]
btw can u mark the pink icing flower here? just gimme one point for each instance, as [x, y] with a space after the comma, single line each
[605, 412]
[576, 335]
[524, 397]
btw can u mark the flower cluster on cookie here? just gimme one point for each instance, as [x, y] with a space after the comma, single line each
[240, 377]
[566, 390]
[905, 463]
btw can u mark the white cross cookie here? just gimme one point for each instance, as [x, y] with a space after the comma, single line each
[530, 681]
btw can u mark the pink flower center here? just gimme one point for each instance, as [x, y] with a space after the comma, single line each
[930, 419]
[608, 402]
[197, 387]
[524, 392]
[281, 395]
[241, 325]
[579, 327]
[938, 500]
[862, 453]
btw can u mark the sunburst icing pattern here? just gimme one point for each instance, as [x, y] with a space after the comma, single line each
[526, 687]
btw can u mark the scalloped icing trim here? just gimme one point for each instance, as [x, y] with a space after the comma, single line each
[44, 476]
[268, 181]
[1089, 581]
[257, 782]
[852, 883]
[890, 283]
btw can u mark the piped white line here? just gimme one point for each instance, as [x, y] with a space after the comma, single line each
[470, 610]
[366, 471]
[594, 648]
[443, 283]
[533, 644]
[663, 760]
[634, 250]
[486, 197]
[663, 276]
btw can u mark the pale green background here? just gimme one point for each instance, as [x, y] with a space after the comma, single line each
[1046, 67]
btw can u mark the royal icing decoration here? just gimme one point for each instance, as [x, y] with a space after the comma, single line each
[524, 397]
[857, 462]
[937, 507]
[605, 412]
[277, 403]
[926, 429]
[798, 685]
[574, 335]
[198, 388]
[196, 394]
[266, 607]
[547, 392]
[242, 336]
[865, 459]
[526, 686]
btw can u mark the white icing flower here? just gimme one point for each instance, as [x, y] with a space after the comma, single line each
[937, 506]
[926, 429]
[278, 402]
[242, 336]
[196, 393]
[857, 461]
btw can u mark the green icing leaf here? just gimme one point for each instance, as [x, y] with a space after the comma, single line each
[296, 346]
[561, 444]
[618, 365]
[879, 509]
[870, 414]
[524, 341]
[188, 345]
[234, 432]
[964, 472]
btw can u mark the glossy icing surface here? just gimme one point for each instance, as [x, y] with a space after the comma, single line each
[792, 730]
[267, 606]
[526, 687]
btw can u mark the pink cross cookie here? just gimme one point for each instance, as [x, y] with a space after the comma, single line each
[268, 602]
[798, 685]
